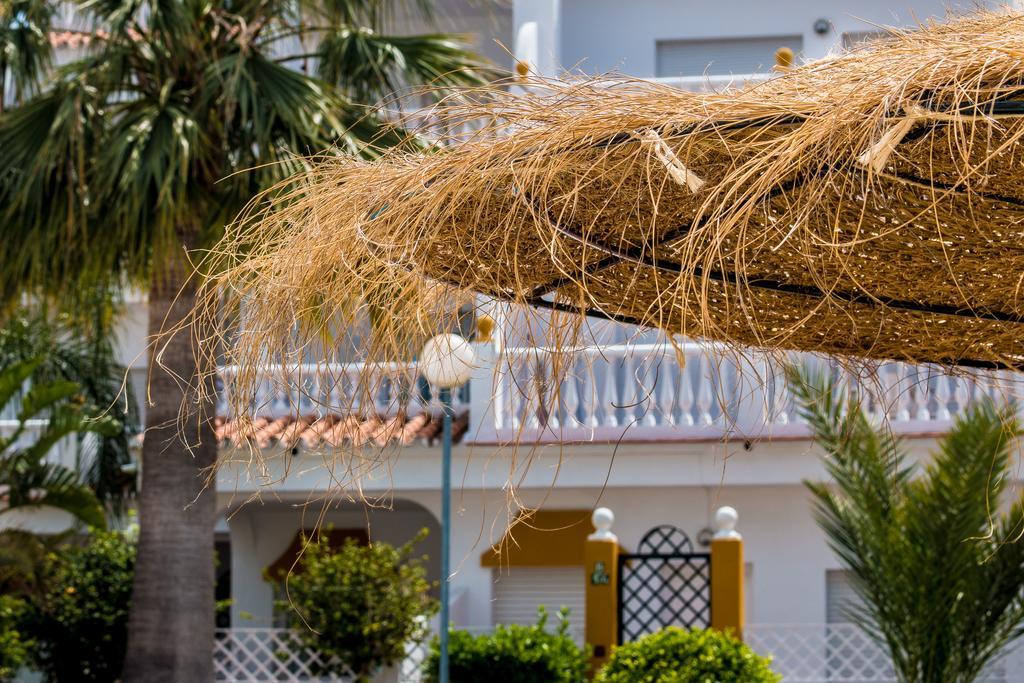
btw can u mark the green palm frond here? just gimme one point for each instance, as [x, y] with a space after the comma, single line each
[12, 379]
[936, 564]
[369, 65]
[34, 485]
[78, 350]
[25, 50]
[169, 126]
[41, 398]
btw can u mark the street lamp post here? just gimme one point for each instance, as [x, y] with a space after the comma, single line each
[446, 361]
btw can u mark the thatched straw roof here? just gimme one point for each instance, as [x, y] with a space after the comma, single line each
[870, 204]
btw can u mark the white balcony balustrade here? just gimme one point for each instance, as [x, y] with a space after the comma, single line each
[381, 389]
[650, 392]
[640, 392]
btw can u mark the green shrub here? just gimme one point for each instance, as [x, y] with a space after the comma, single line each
[674, 655]
[13, 644]
[359, 605]
[513, 654]
[80, 623]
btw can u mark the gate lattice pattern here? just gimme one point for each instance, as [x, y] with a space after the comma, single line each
[664, 584]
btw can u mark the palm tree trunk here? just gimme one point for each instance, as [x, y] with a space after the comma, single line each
[170, 636]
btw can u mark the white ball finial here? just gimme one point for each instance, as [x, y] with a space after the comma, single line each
[602, 519]
[447, 361]
[725, 522]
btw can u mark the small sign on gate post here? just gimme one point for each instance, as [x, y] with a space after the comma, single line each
[601, 558]
[727, 600]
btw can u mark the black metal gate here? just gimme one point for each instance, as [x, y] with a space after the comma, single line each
[663, 584]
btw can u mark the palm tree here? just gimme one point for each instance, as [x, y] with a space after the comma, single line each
[135, 156]
[25, 50]
[939, 570]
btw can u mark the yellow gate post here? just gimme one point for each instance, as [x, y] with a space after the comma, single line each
[601, 564]
[727, 600]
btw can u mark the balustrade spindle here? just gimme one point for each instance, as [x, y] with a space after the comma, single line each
[610, 399]
[704, 393]
[590, 399]
[532, 402]
[686, 397]
[900, 409]
[919, 392]
[943, 395]
[650, 370]
[554, 382]
[629, 390]
[665, 390]
[571, 397]
[962, 392]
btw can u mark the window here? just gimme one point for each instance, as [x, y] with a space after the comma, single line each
[721, 56]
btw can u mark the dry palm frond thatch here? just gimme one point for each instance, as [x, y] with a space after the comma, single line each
[870, 204]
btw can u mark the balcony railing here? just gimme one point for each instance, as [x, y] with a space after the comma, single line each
[697, 392]
[381, 389]
[640, 392]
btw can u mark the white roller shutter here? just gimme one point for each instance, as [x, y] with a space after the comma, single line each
[519, 590]
[839, 596]
[721, 56]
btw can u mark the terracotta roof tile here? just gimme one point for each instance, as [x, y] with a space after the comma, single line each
[335, 430]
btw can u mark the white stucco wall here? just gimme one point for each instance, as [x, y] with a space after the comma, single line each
[647, 485]
[598, 36]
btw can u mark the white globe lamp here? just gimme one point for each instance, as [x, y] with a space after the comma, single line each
[447, 361]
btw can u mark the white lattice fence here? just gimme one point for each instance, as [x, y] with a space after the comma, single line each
[412, 668]
[244, 655]
[265, 654]
[842, 653]
[815, 653]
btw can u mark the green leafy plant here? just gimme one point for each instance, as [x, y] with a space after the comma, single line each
[675, 655]
[514, 654]
[47, 413]
[79, 349]
[939, 569]
[79, 625]
[14, 646]
[358, 605]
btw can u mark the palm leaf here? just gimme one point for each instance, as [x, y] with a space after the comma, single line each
[42, 397]
[13, 378]
[941, 582]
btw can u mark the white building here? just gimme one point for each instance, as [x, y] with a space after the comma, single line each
[654, 452]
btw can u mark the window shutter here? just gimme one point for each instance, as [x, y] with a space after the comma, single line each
[518, 591]
[839, 596]
[721, 56]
